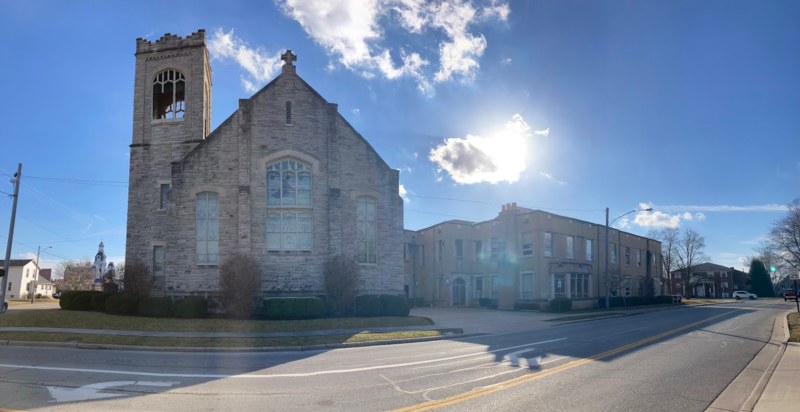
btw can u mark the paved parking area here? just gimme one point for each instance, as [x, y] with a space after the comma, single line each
[474, 320]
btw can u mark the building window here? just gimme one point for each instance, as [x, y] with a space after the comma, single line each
[627, 286]
[288, 112]
[627, 256]
[723, 274]
[169, 95]
[724, 285]
[158, 260]
[459, 248]
[478, 287]
[494, 244]
[478, 250]
[548, 244]
[9, 287]
[495, 281]
[289, 231]
[614, 253]
[440, 250]
[655, 259]
[527, 244]
[639, 286]
[638, 258]
[735, 287]
[589, 250]
[678, 275]
[207, 228]
[164, 191]
[560, 286]
[570, 247]
[366, 214]
[288, 184]
[27, 272]
[613, 286]
[526, 285]
[578, 285]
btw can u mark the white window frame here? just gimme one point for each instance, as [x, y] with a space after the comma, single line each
[613, 253]
[527, 248]
[586, 278]
[590, 250]
[570, 247]
[177, 110]
[639, 257]
[296, 172]
[456, 245]
[522, 290]
[207, 261]
[494, 255]
[627, 286]
[655, 259]
[493, 293]
[723, 274]
[476, 289]
[549, 249]
[282, 233]
[627, 256]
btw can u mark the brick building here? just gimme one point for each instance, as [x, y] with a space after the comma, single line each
[711, 281]
[526, 255]
[285, 179]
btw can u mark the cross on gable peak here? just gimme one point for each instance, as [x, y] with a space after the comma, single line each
[289, 57]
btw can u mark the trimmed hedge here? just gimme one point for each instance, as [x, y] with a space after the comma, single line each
[664, 299]
[618, 301]
[561, 305]
[410, 302]
[82, 301]
[99, 301]
[369, 305]
[419, 302]
[394, 305]
[155, 307]
[68, 296]
[121, 304]
[191, 307]
[294, 308]
[526, 306]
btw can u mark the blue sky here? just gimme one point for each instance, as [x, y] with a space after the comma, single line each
[691, 107]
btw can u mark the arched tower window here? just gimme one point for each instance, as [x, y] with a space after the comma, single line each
[169, 95]
[288, 112]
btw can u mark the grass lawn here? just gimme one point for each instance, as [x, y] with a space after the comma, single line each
[57, 318]
[14, 302]
[696, 301]
[794, 327]
[217, 342]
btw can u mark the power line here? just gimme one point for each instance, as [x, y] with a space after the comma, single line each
[494, 203]
[63, 237]
[35, 248]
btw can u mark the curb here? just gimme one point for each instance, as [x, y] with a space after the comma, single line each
[750, 404]
[75, 345]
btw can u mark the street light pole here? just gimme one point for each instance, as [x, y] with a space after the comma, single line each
[36, 276]
[649, 209]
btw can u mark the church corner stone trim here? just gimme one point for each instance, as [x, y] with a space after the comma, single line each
[231, 161]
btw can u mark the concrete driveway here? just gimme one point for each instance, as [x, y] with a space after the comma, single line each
[474, 320]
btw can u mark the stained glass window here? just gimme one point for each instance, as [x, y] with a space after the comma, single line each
[207, 228]
[366, 221]
[288, 184]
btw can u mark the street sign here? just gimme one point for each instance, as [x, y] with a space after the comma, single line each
[795, 276]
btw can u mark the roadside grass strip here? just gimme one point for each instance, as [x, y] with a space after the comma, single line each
[794, 327]
[453, 400]
[57, 318]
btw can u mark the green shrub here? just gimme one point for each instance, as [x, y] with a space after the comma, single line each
[526, 306]
[369, 305]
[67, 297]
[99, 301]
[191, 307]
[38, 296]
[561, 305]
[484, 302]
[121, 304]
[410, 302]
[155, 307]
[294, 308]
[82, 301]
[419, 302]
[394, 305]
[664, 299]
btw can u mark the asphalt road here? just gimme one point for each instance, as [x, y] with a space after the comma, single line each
[668, 360]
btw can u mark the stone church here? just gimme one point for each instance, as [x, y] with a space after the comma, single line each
[285, 179]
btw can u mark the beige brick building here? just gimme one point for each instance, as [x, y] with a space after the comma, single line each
[526, 255]
[285, 179]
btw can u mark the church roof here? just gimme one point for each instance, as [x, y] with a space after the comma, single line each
[101, 244]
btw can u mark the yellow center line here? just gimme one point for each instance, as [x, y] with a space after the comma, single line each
[10, 410]
[441, 403]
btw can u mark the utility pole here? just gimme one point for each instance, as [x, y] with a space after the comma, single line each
[36, 276]
[7, 262]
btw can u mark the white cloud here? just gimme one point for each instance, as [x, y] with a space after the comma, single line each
[416, 154]
[260, 66]
[624, 223]
[699, 216]
[550, 177]
[356, 112]
[661, 219]
[404, 193]
[774, 207]
[475, 159]
[506, 61]
[687, 216]
[407, 169]
[351, 31]
[545, 132]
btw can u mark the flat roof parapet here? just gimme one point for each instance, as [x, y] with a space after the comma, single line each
[171, 41]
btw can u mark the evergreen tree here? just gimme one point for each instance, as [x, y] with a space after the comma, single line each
[758, 280]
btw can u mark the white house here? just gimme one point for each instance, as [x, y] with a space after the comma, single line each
[20, 280]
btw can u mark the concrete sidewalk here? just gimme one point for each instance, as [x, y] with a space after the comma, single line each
[156, 334]
[783, 390]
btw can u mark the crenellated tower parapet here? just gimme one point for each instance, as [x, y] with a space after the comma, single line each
[171, 41]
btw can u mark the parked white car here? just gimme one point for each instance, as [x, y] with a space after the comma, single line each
[740, 294]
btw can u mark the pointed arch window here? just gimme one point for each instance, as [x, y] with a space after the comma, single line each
[169, 95]
[289, 219]
[288, 184]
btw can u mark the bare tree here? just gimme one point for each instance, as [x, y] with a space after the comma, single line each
[669, 240]
[342, 279]
[76, 274]
[768, 254]
[690, 252]
[240, 284]
[137, 278]
[784, 234]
